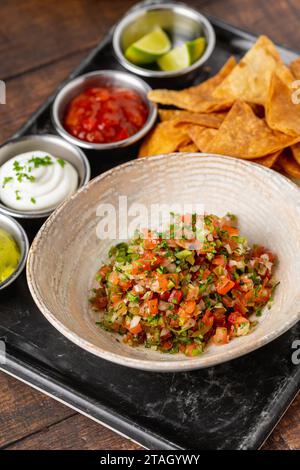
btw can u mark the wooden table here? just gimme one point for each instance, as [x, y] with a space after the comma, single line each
[40, 43]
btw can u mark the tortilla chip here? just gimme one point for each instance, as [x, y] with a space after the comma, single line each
[205, 120]
[202, 137]
[281, 113]
[198, 98]
[289, 165]
[295, 68]
[169, 114]
[296, 152]
[164, 138]
[243, 135]
[269, 160]
[183, 117]
[191, 148]
[250, 79]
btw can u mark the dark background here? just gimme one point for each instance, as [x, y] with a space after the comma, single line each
[41, 41]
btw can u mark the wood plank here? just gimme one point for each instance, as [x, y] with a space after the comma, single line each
[286, 436]
[278, 20]
[24, 411]
[40, 33]
[27, 92]
[80, 24]
[76, 432]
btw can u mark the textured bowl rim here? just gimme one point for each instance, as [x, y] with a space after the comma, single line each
[198, 362]
[144, 72]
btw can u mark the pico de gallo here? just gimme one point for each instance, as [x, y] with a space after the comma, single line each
[176, 294]
[105, 114]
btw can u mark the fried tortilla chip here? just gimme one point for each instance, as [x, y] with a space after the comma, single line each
[183, 117]
[164, 138]
[198, 98]
[281, 113]
[169, 114]
[202, 137]
[191, 148]
[295, 68]
[269, 160]
[296, 152]
[243, 135]
[250, 79]
[289, 165]
[205, 120]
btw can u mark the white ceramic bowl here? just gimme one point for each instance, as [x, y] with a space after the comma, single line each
[66, 252]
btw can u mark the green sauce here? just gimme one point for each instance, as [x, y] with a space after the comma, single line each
[9, 255]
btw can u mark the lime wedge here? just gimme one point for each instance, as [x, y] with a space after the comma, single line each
[177, 59]
[196, 48]
[147, 49]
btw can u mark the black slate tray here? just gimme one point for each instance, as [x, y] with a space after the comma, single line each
[231, 406]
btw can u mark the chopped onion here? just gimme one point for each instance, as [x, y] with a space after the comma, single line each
[163, 306]
[135, 321]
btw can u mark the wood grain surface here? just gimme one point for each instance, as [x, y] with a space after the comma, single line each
[41, 41]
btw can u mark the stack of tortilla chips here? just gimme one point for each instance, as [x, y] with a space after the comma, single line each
[248, 110]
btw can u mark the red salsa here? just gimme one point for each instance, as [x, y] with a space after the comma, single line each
[105, 114]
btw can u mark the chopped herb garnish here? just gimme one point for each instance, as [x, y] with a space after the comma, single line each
[61, 162]
[6, 180]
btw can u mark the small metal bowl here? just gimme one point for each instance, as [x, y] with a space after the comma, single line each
[181, 23]
[48, 143]
[12, 227]
[101, 78]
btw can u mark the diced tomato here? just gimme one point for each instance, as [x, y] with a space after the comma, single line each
[100, 302]
[221, 336]
[166, 345]
[163, 282]
[176, 296]
[208, 319]
[233, 232]
[263, 295]
[219, 260]
[189, 306]
[225, 286]
[150, 244]
[249, 297]
[258, 251]
[125, 285]
[165, 295]
[153, 306]
[137, 329]
[114, 278]
[193, 293]
[103, 271]
[190, 348]
[219, 316]
[206, 274]
[241, 326]
[147, 262]
[193, 244]
[233, 316]
[115, 297]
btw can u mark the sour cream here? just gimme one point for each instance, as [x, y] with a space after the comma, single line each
[36, 181]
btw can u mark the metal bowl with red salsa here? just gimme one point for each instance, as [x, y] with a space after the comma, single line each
[176, 294]
[105, 114]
